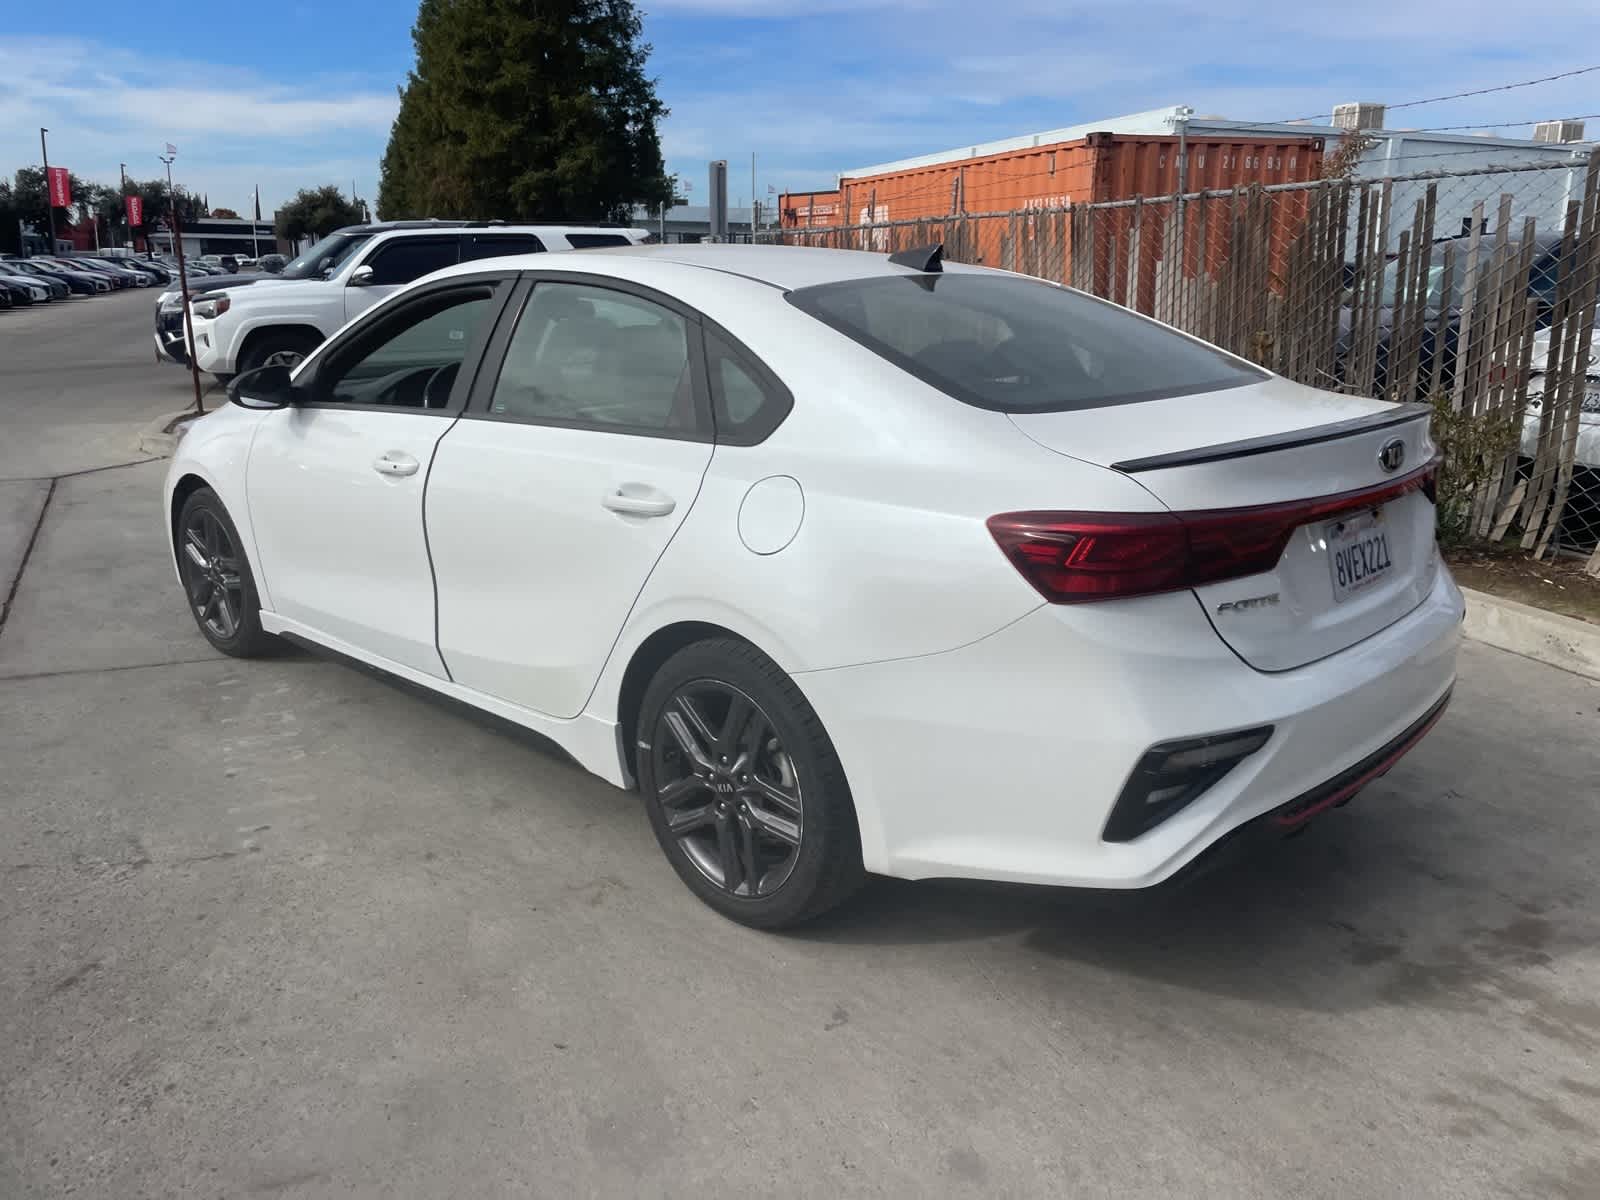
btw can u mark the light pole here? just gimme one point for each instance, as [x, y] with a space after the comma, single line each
[49, 209]
[183, 276]
[122, 170]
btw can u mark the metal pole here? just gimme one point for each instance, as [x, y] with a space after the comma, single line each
[183, 284]
[753, 217]
[255, 216]
[49, 209]
[1183, 186]
[122, 171]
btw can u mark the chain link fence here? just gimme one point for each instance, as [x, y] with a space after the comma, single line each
[1473, 290]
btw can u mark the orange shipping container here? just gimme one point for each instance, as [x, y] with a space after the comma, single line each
[1095, 169]
[1100, 167]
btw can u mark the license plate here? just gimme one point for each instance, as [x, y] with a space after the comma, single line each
[1358, 552]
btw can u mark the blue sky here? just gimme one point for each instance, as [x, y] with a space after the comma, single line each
[811, 88]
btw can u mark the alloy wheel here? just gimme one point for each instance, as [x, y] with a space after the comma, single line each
[283, 358]
[211, 574]
[728, 789]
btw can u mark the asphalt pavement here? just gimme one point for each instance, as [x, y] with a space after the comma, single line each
[282, 928]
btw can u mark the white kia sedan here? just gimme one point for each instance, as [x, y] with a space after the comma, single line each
[848, 563]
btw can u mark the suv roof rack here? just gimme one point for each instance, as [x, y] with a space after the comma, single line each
[449, 223]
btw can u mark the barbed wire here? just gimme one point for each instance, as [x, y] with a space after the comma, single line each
[1494, 124]
[1503, 87]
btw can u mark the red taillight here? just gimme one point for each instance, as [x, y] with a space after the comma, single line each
[1073, 557]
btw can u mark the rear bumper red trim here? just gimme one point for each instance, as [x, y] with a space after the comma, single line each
[1351, 780]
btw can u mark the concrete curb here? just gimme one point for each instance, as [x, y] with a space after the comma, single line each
[155, 440]
[1546, 637]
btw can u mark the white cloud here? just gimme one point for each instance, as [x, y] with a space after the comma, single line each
[105, 106]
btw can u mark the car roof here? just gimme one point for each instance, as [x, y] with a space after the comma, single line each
[784, 267]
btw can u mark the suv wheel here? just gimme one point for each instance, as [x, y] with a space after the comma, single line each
[287, 349]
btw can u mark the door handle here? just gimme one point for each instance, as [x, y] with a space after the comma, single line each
[626, 500]
[393, 462]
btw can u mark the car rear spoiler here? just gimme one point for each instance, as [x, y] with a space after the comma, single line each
[1400, 414]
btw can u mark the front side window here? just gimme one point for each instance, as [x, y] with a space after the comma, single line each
[413, 359]
[590, 356]
[324, 258]
[405, 259]
[1018, 345]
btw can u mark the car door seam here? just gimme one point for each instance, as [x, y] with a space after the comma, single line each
[627, 617]
[467, 388]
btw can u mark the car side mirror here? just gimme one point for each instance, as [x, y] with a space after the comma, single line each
[264, 388]
[361, 277]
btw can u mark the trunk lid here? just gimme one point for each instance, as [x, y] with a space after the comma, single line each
[1349, 571]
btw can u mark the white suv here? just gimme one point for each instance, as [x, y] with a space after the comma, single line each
[284, 318]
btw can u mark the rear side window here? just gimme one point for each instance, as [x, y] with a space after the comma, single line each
[494, 245]
[1016, 345]
[588, 241]
[748, 401]
[599, 359]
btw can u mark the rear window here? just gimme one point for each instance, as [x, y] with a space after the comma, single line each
[1017, 345]
[589, 241]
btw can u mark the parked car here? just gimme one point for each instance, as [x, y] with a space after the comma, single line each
[153, 271]
[1580, 520]
[58, 288]
[118, 276]
[272, 263]
[847, 563]
[210, 260]
[62, 284]
[86, 282]
[5, 298]
[351, 270]
[23, 290]
[1441, 318]
[135, 277]
[169, 334]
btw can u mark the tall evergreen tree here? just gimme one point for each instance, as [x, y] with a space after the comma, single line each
[530, 109]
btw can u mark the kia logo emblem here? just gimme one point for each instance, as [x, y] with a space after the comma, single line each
[1393, 455]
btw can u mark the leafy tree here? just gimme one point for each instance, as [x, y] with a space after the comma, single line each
[317, 212]
[225, 214]
[10, 241]
[30, 197]
[519, 109]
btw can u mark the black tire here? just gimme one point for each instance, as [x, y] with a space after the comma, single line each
[278, 347]
[784, 751]
[217, 582]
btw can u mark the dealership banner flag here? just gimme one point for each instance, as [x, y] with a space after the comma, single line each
[60, 184]
[135, 210]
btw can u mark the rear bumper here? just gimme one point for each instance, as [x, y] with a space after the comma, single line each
[1002, 760]
[1291, 818]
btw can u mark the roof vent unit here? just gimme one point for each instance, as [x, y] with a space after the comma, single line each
[1558, 131]
[1361, 114]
